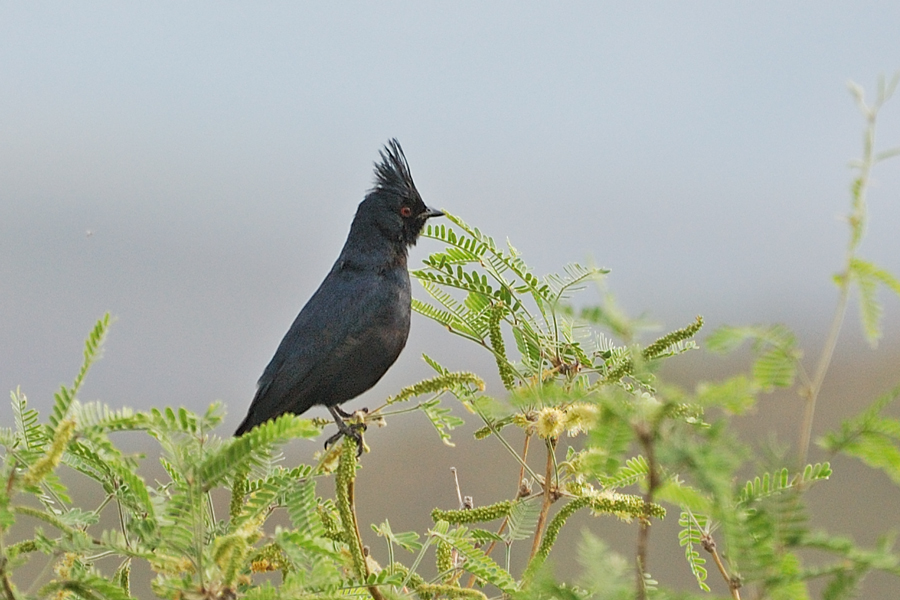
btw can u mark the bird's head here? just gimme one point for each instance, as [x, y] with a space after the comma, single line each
[394, 204]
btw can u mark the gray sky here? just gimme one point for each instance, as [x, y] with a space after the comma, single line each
[217, 153]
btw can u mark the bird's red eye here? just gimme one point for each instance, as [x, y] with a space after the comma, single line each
[405, 211]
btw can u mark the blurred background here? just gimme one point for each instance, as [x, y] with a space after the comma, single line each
[193, 169]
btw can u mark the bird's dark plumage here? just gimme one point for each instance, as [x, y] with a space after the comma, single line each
[355, 325]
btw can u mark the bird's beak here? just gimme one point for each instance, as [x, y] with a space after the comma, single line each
[431, 212]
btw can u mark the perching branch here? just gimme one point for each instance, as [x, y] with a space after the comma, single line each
[346, 504]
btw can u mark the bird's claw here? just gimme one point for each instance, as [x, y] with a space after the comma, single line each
[352, 430]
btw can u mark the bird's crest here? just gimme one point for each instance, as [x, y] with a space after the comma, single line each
[392, 173]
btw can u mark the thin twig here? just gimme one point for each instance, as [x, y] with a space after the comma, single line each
[647, 440]
[506, 445]
[458, 490]
[812, 392]
[857, 221]
[549, 497]
[709, 544]
[524, 461]
[121, 515]
[48, 566]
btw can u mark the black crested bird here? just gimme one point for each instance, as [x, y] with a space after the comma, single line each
[353, 328]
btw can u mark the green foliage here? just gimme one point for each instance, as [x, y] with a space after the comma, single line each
[867, 278]
[169, 524]
[736, 395]
[500, 290]
[644, 447]
[690, 537]
[523, 519]
[871, 437]
[28, 436]
[775, 348]
[635, 469]
[476, 561]
[779, 482]
[92, 346]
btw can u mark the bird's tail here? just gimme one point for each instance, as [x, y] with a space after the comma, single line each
[248, 423]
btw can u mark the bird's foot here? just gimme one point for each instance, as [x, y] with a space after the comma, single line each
[352, 430]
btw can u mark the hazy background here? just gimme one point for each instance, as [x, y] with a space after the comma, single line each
[193, 169]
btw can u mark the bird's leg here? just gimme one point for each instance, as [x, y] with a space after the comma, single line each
[340, 411]
[347, 415]
[353, 431]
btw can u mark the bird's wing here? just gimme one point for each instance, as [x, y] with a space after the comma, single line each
[324, 341]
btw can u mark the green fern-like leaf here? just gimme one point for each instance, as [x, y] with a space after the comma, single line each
[775, 368]
[871, 437]
[770, 484]
[852, 565]
[115, 541]
[868, 277]
[408, 540]
[260, 500]
[253, 447]
[574, 279]
[133, 492]
[477, 562]
[765, 535]
[84, 459]
[92, 350]
[523, 518]
[66, 395]
[460, 381]
[736, 395]
[303, 508]
[879, 452]
[870, 308]
[634, 470]
[264, 591]
[455, 316]
[728, 338]
[689, 537]
[767, 485]
[61, 402]
[182, 521]
[442, 419]
[610, 441]
[99, 416]
[496, 261]
[446, 318]
[775, 348]
[467, 281]
[29, 435]
[528, 343]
